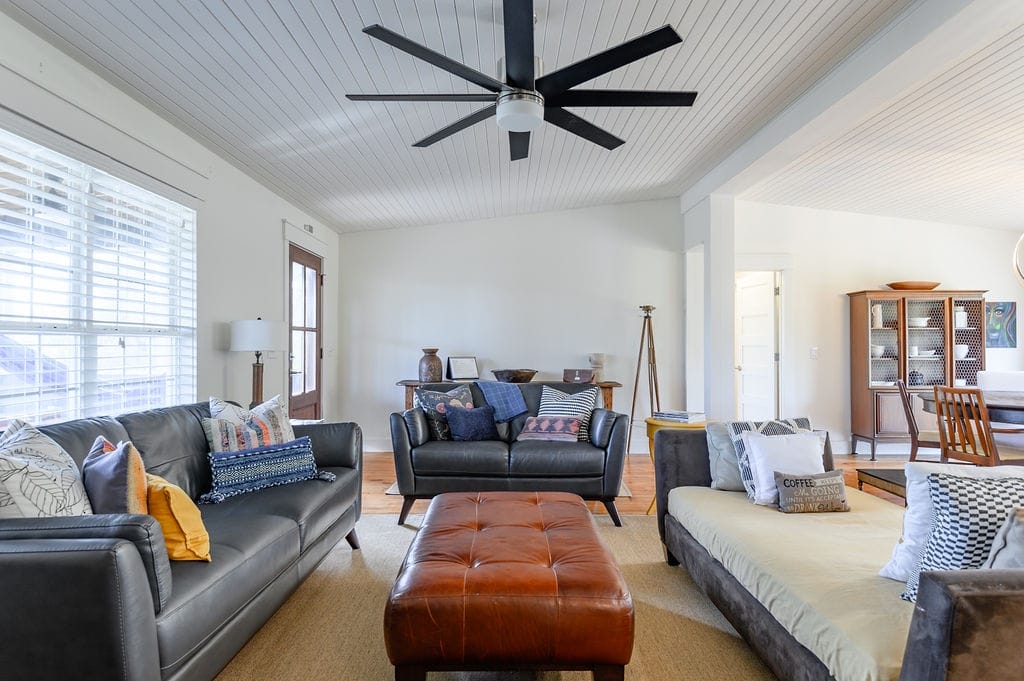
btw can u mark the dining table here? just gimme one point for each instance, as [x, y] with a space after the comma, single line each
[1004, 406]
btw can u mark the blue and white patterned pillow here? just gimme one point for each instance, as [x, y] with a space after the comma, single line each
[235, 473]
[557, 403]
[775, 427]
[967, 514]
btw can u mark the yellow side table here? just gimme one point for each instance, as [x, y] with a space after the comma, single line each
[654, 425]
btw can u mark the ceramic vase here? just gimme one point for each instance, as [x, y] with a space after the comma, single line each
[430, 366]
[877, 320]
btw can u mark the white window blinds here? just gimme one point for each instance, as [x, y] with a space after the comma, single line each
[97, 291]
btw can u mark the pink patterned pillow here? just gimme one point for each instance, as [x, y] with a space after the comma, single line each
[554, 428]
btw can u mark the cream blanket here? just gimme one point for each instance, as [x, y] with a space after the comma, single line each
[817, 573]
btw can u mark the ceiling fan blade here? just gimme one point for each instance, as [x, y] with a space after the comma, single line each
[519, 43]
[461, 124]
[557, 82]
[519, 144]
[622, 98]
[430, 56]
[579, 126]
[482, 97]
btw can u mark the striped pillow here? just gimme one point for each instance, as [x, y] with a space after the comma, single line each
[233, 428]
[235, 473]
[556, 403]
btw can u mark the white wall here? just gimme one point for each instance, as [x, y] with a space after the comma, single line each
[535, 291]
[833, 253]
[241, 239]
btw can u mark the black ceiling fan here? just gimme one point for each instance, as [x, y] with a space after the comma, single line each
[524, 101]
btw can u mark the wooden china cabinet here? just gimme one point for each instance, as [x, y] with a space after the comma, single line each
[927, 338]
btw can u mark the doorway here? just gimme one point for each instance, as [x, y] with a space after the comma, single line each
[758, 298]
[305, 333]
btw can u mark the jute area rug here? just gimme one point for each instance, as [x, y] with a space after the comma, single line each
[332, 627]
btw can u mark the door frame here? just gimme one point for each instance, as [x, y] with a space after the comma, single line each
[319, 354]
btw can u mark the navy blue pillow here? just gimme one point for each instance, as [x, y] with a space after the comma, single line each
[249, 470]
[472, 425]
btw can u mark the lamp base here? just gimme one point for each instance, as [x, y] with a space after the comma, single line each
[257, 384]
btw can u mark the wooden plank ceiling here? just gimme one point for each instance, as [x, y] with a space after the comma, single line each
[951, 150]
[262, 82]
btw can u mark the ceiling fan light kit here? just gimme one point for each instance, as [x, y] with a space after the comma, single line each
[526, 99]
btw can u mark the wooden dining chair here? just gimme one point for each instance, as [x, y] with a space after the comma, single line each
[918, 437]
[965, 432]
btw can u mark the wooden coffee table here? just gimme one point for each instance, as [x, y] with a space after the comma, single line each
[891, 480]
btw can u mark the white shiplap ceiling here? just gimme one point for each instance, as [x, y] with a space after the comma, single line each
[951, 150]
[263, 83]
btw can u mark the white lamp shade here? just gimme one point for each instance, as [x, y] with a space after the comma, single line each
[257, 335]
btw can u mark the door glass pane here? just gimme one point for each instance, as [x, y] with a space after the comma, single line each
[310, 368]
[884, 343]
[298, 295]
[311, 291]
[298, 363]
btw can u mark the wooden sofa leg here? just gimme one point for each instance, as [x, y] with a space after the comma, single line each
[610, 507]
[352, 539]
[406, 507]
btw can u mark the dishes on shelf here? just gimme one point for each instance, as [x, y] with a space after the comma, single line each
[912, 285]
[918, 322]
[923, 353]
[877, 350]
[882, 384]
[960, 350]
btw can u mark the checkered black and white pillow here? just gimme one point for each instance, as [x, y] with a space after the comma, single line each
[777, 427]
[581, 405]
[967, 515]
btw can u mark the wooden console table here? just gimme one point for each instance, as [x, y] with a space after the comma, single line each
[606, 387]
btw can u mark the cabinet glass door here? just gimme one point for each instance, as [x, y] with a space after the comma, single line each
[968, 345]
[925, 342]
[883, 343]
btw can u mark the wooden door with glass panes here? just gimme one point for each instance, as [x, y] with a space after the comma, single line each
[305, 350]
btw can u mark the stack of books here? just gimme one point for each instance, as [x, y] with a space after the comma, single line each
[680, 416]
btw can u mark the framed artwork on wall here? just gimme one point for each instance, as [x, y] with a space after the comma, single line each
[1001, 324]
[462, 368]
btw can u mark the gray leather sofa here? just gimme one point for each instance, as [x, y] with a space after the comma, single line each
[591, 469]
[967, 625]
[95, 597]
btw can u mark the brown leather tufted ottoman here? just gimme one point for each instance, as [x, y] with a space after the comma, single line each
[509, 580]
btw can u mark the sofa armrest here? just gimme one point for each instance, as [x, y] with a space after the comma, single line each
[602, 421]
[143, 531]
[680, 460]
[401, 445]
[76, 609]
[967, 625]
[617, 426]
[335, 444]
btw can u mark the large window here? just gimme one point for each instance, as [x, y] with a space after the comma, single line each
[97, 290]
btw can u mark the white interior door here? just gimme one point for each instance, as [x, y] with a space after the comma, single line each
[756, 346]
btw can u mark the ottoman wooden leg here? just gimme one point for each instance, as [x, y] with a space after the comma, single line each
[403, 673]
[609, 673]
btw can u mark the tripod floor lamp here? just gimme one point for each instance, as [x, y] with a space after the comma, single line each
[259, 336]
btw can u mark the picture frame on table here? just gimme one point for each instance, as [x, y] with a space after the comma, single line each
[462, 369]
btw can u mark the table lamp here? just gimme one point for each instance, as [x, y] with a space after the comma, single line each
[256, 335]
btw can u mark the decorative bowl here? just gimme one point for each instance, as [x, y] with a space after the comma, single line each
[960, 350]
[912, 285]
[918, 322]
[877, 350]
[514, 375]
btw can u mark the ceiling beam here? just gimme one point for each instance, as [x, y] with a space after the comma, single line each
[916, 46]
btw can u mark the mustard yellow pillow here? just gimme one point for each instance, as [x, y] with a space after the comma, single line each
[179, 517]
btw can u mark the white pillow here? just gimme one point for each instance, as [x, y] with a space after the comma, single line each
[798, 454]
[917, 519]
[38, 479]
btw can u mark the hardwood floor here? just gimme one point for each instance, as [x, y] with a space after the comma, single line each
[638, 474]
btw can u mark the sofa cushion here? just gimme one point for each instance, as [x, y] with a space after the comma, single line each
[185, 535]
[269, 418]
[1008, 546]
[115, 478]
[472, 425]
[725, 468]
[250, 470]
[551, 429]
[444, 457]
[773, 427]
[814, 572]
[172, 444]
[435, 405]
[250, 549]
[799, 453]
[38, 479]
[312, 504]
[557, 403]
[538, 459]
[77, 437]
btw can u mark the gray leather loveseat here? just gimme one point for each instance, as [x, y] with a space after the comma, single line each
[95, 597]
[591, 469]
